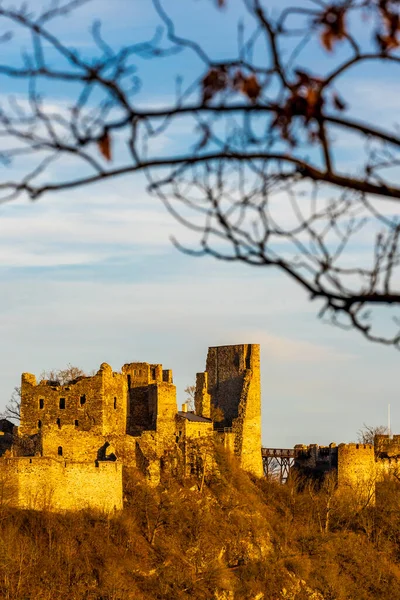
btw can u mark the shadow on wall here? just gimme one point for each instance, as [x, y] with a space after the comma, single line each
[103, 455]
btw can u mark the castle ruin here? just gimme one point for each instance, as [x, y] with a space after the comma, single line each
[75, 442]
[359, 468]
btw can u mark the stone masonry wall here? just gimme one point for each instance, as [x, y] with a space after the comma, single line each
[45, 483]
[202, 398]
[115, 402]
[47, 405]
[163, 399]
[357, 470]
[247, 427]
[234, 386]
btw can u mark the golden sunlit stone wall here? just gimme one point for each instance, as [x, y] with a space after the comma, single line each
[233, 376]
[202, 399]
[357, 471]
[48, 484]
[75, 439]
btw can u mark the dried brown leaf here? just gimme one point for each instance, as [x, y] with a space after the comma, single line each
[214, 81]
[333, 21]
[251, 87]
[104, 145]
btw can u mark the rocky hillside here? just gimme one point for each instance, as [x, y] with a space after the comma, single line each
[224, 538]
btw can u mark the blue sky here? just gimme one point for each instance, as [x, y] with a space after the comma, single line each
[90, 275]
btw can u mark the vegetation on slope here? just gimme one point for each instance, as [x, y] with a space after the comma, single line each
[234, 539]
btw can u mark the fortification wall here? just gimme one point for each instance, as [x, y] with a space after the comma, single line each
[198, 430]
[313, 457]
[386, 467]
[163, 398]
[45, 483]
[234, 386]
[48, 404]
[78, 435]
[141, 374]
[71, 443]
[247, 426]
[357, 470]
[115, 402]
[202, 399]
[226, 367]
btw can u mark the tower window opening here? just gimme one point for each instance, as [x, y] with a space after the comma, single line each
[41, 403]
[129, 382]
[60, 451]
[83, 399]
[62, 403]
[76, 423]
[115, 402]
[153, 373]
[59, 423]
[39, 424]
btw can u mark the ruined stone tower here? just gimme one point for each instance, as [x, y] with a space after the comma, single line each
[231, 383]
[76, 440]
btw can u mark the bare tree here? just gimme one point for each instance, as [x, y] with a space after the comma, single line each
[259, 176]
[190, 392]
[61, 376]
[13, 406]
[366, 435]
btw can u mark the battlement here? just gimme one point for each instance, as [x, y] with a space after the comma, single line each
[315, 458]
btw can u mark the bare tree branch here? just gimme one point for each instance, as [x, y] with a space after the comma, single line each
[259, 176]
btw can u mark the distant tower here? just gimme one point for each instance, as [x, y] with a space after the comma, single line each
[232, 378]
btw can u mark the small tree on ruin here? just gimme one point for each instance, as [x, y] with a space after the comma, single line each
[64, 376]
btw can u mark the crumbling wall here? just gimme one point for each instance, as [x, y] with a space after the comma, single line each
[162, 400]
[70, 443]
[202, 399]
[115, 403]
[167, 376]
[387, 467]
[195, 440]
[141, 410]
[387, 446]
[234, 386]
[49, 484]
[315, 460]
[226, 368]
[79, 403]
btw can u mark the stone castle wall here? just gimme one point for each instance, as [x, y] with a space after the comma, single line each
[356, 465]
[48, 484]
[74, 440]
[96, 404]
[233, 385]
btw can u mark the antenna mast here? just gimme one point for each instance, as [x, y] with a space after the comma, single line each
[389, 424]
